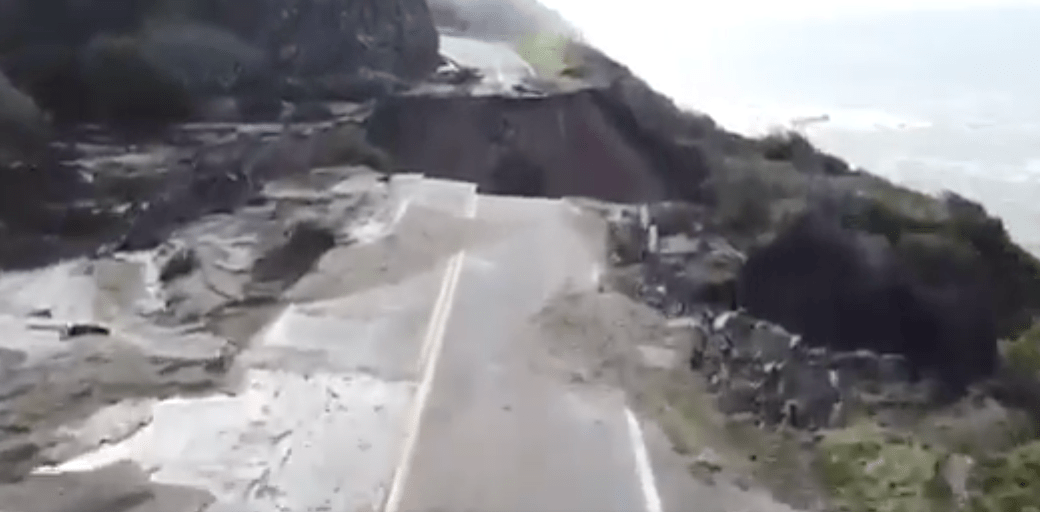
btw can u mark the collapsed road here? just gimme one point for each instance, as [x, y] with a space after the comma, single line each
[495, 436]
[391, 298]
[423, 394]
[396, 374]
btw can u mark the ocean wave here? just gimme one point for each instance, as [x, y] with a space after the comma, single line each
[761, 119]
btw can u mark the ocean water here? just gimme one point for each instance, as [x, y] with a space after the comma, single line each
[936, 99]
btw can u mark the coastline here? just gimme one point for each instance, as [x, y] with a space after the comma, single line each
[978, 160]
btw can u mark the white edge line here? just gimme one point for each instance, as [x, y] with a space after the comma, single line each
[399, 213]
[430, 354]
[645, 472]
[596, 275]
[438, 316]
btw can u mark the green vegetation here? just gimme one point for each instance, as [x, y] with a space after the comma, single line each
[549, 54]
[786, 146]
[743, 205]
[869, 471]
[1008, 483]
[1023, 353]
[752, 194]
[980, 241]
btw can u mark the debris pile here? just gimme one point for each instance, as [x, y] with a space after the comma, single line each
[760, 369]
[671, 256]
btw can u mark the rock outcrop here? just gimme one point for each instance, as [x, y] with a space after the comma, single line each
[758, 368]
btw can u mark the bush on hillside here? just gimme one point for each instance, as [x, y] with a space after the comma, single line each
[1023, 354]
[792, 146]
[868, 471]
[742, 204]
[1007, 482]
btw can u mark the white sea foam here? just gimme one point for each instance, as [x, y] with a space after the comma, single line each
[761, 118]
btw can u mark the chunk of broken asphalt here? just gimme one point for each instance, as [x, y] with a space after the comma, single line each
[75, 330]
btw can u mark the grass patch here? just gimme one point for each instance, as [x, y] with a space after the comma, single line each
[1008, 483]
[1023, 354]
[550, 55]
[867, 470]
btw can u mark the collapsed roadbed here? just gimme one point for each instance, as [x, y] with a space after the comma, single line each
[220, 302]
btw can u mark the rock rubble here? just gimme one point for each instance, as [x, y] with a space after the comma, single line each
[674, 258]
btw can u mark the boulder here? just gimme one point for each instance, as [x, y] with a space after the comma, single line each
[759, 368]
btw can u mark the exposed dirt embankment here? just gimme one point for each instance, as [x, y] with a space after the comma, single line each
[560, 145]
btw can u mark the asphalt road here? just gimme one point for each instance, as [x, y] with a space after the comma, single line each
[494, 435]
[487, 433]
[426, 394]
